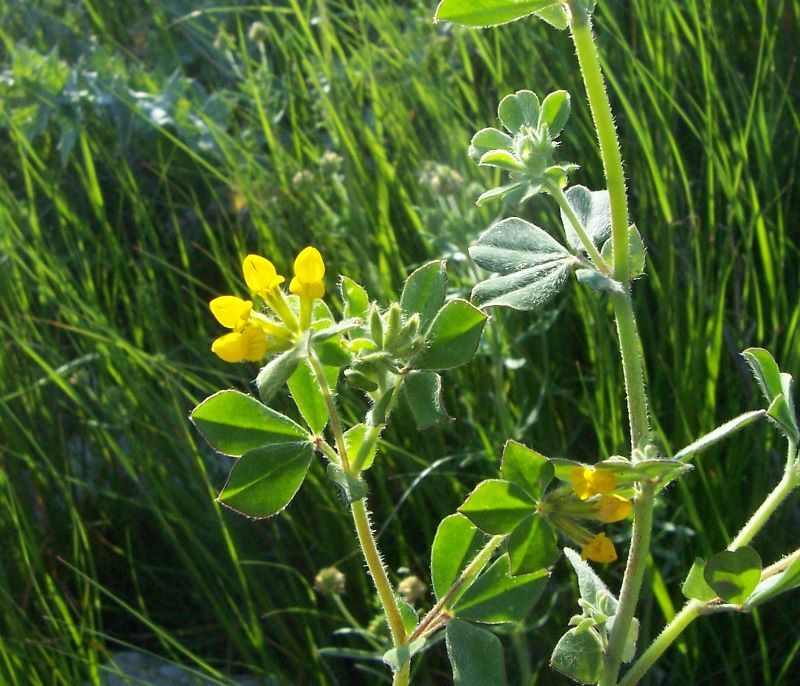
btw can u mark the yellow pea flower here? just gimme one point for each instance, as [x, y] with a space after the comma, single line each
[260, 275]
[587, 482]
[247, 341]
[599, 549]
[249, 344]
[613, 508]
[308, 272]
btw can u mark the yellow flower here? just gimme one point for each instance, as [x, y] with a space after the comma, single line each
[247, 341]
[308, 272]
[261, 275]
[599, 549]
[249, 344]
[587, 482]
[613, 508]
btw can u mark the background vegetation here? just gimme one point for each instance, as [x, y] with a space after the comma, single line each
[147, 146]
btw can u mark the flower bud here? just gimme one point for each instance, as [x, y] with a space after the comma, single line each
[329, 581]
[412, 588]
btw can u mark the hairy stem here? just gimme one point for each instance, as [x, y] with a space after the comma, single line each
[333, 414]
[430, 622]
[578, 227]
[581, 29]
[694, 608]
[630, 346]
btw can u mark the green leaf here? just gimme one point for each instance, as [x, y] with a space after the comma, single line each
[591, 586]
[497, 507]
[452, 338]
[629, 650]
[263, 481]
[579, 656]
[555, 112]
[308, 397]
[532, 546]
[499, 192]
[529, 289]
[423, 391]
[766, 371]
[718, 434]
[513, 244]
[397, 657]
[489, 139]
[776, 584]
[556, 16]
[636, 251]
[501, 159]
[734, 574]
[593, 209]
[476, 655]
[483, 13]
[456, 543]
[354, 297]
[333, 355]
[533, 265]
[526, 468]
[353, 487]
[359, 450]
[234, 423]
[498, 598]
[518, 109]
[277, 372]
[408, 614]
[782, 415]
[424, 292]
[695, 586]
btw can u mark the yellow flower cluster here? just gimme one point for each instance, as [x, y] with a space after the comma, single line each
[588, 483]
[254, 335]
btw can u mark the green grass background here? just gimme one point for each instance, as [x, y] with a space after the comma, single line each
[147, 146]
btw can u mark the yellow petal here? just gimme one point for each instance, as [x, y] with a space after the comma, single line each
[308, 266]
[602, 482]
[314, 289]
[581, 484]
[254, 343]
[599, 549]
[613, 508]
[230, 311]
[260, 274]
[231, 347]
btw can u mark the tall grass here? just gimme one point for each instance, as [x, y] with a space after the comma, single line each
[125, 211]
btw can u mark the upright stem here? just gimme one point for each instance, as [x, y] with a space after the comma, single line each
[581, 29]
[366, 539]
[630, 347]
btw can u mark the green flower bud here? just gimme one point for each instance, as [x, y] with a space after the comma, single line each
[329, 581]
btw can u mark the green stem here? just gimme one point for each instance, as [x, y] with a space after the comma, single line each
[667, 637]
[378, 572]
[430, 622]
[333, 414]
[558, 195]
[694, 608]
[771, 503]
[366, 539]
[632, 368]
[581, 29]
[631, 584]
[630, 346]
